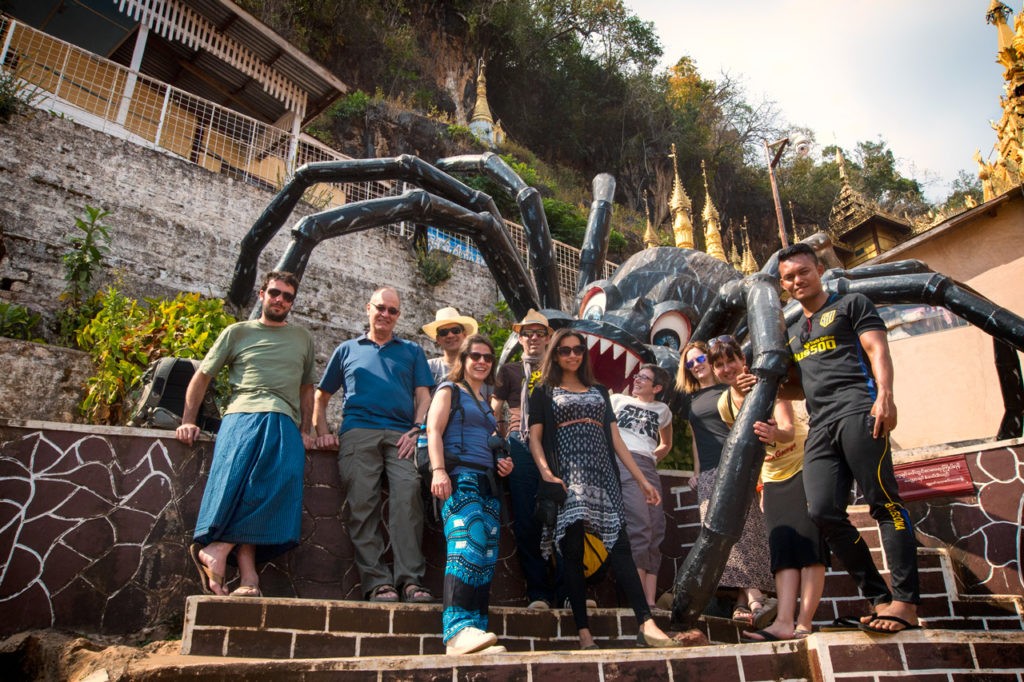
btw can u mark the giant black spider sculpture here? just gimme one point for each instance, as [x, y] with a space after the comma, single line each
[655, 302]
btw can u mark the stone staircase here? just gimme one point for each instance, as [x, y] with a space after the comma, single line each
[969, 639]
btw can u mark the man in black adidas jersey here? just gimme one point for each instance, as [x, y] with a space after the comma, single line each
[842, 360]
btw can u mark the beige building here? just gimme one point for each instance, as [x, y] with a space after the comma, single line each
[946, 386]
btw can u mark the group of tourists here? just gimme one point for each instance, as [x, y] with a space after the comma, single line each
[579, 464]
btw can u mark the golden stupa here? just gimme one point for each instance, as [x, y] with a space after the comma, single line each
[750, 265]
[712, 231]
[650, 236]
[679, 204]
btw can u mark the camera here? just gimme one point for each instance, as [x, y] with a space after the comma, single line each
[498, 446]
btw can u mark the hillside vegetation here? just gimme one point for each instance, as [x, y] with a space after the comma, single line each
[577, 87]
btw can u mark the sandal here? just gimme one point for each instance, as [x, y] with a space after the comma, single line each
[802, 633]
[207, 577]
[765, 613]
[743, 614]
[383, 593]
[417, 594]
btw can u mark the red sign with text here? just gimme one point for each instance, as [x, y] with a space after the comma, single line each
[934, 477]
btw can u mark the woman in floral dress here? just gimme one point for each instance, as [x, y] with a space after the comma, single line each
[573, 440]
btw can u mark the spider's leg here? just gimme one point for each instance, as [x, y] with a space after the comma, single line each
[742, 455]
[595, 240]
[483, 228]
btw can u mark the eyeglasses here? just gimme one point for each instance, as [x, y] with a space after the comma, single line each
[699, 360]
[477, 357]
[275, 293]
[534, 333]
[441, 333]
[390, 310]
[642, 377]
[566, 351]
[722, 339]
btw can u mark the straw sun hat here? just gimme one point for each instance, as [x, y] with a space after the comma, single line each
[446, 317]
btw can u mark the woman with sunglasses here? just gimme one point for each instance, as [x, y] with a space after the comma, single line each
[747, 567]
[798, 554]
[462, 476]
[573, 431]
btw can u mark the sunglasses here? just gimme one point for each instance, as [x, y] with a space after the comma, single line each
[441, 333]
[477, 357]
[390, 310]
[642, 377]
[699, 360]
[534, 333]
[566, 351]
[275, 293]
[722, 339]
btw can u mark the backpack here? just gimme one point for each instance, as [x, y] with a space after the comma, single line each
[422, 457]
[158, 400]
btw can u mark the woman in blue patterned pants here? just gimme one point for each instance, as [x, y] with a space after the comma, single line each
[460, 424]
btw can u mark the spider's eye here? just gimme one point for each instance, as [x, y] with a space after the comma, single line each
[671, 329]
[593, 304]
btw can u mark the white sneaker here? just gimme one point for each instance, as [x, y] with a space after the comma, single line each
[538, 605]
[470, 640]
[496, 649]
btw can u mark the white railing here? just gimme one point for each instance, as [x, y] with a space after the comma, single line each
[106, 96]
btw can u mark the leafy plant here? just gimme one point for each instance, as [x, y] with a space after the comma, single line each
[497, 324]
[434, 266]
[15, 95]
[88, 246]
[18, 322]
[125, 336]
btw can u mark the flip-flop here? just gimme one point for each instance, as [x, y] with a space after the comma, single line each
[764, 635]
[801, 633]
[844, 624]
[764, 616]
[246, 591]
[743, 614]
[206, 574]
[866, 627]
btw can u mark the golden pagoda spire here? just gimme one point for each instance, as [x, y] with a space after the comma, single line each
[734, 254]
[481, 110]
[681, 208]
[650, 236]
[712, 232]
[1007, 170]
[749, 264]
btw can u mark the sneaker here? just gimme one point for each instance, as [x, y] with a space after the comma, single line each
[496, 649]
[538, 605]
[470, 640]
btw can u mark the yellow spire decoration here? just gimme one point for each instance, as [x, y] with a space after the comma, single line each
[679, 204]
[734, 254]
[712, 232]
[650, 236]
[749, 264]
[481, 110]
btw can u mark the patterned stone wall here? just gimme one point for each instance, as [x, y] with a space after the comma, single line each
[95, 523]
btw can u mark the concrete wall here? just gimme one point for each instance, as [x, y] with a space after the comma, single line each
[946, 386]
[177, 227]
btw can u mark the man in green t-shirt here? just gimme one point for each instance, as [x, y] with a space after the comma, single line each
[252, 503]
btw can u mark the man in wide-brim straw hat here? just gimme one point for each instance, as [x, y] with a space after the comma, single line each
[448, 330]
[511, 390]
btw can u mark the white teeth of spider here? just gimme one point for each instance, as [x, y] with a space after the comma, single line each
[605, 344]
[591, 340]
[617, 351]
[631, 362]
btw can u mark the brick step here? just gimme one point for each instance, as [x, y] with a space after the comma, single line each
[930, 654]
[307, 628]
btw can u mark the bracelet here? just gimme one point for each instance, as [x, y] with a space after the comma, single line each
[439, 469]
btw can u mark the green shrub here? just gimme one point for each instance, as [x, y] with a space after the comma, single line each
[125, 336]
[81, 262]
[497, 325]
[434, 266]
[351, 106]
[18, 322]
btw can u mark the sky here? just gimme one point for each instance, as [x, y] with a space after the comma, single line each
[920, 74]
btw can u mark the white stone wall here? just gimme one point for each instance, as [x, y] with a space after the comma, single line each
[177, 227]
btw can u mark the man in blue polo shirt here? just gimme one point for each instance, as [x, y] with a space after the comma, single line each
[386, 387]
